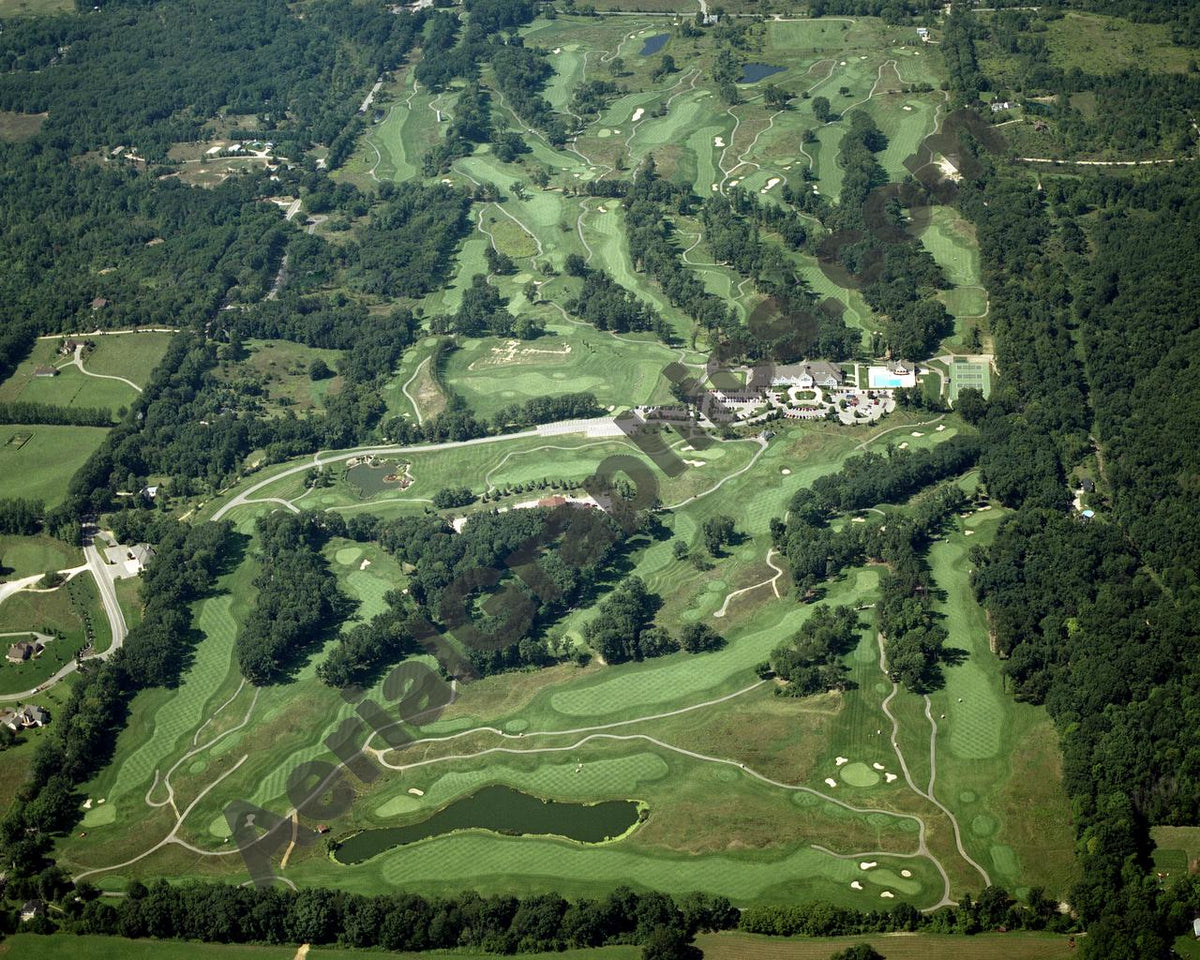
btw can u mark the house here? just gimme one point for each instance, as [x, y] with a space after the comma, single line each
[33, 716]
[44, 371]
[901, 368]
[31, 909]
[1087, 485]
[99, 303]
[68, 347]
[1196, 928]
[20, 652]
[923, 33]
[149, 492]
[998, 105]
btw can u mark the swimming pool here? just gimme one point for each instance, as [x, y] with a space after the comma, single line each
[881, 378]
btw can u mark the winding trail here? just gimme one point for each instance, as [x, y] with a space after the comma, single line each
[772, 582]
[409, 397]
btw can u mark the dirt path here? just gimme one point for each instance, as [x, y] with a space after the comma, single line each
[408, 396]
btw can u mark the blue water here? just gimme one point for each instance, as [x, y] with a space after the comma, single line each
[887, 381]
[654, 44]
[753, 72]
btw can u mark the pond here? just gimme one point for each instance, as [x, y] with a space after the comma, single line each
[502, 810]
[753, 72]
[370, 480]
[654, 44]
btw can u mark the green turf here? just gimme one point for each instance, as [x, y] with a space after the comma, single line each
[69, 388]
[42, 466]
[133, 356]
[25, 556]
[34, 8]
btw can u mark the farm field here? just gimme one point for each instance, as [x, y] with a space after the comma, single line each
[38, 461]
[911, 946]
[18, 127]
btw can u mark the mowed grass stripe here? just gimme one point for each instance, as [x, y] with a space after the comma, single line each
[185, 711]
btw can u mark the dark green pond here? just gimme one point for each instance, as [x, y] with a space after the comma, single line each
[502, 810]
[753, 72]
[370, 480]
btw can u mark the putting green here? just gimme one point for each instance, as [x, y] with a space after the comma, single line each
[858, 774]
[348, 555]
[100, 816]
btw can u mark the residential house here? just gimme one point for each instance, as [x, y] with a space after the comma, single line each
[99, 303]
[25, 650]
[44, 371]
[998, 105]
[31, 909]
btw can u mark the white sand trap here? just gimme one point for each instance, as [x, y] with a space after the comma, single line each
[842, 64]
[101, 800]
[734, 183]
[637, 114]
[364, 565]
[815, 190]
[906, 107]
[941, 427]
[877, 766]
[887, 894]
[715, 188]
[602, 209]
[904, 445]
[695, 463]
[616, 130]
[855, 885]
[969, 533]
[87, 804]
[718, 141]
[906, 873]
[867, 864]
[786, 472]
[838, 761]
[889, 777]
[981, 509]
[415, 792]
[858, 519]
[917, 433]
[770, 184]
[557, 50]
[830, 782]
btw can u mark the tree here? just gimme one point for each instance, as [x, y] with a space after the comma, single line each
[669, 943]
[860, 951]
[775, 97]
[319, 370]
[821, 109]
[717, 532]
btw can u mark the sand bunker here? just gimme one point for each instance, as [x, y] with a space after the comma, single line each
[867, 864]
[889, 777]
[906, 107]
[842, 64]
[917, 433]
[855, 885]
[637, 114]
[770, 184]
[906, 873]
[786, 472]
[969, 533]
[364, 565]
[840, 760]
[941, 427]
[858, 519]
[718, 141]
[557, 50]
[695, 463]
[415, 792]
[830, 782]
[877, 766]
[887, 894]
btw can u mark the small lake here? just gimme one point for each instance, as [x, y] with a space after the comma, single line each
[654, 44]
[501, 810]
[372, 480]
[753, 72]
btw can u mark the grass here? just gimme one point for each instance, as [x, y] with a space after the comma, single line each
[132, 356]
[64, 614]
[64, 946]
[70, 388]
[34, 8]
[24, 556]
[41, 467]
[621, 372]
[18, 127]
[910, 946]
[280, 369]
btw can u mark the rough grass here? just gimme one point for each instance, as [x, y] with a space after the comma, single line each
[25, 556]
[42, 467]
[18, 127]
[34, 8]
[281, 369]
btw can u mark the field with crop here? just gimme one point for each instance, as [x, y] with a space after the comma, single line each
[38, 461]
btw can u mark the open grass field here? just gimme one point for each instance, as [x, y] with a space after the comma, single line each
[18, 127]
[34, 8]
[70, 387]
[132, 355]
[1176, 850]
[38, 461]
[25, 556]
[911, 946]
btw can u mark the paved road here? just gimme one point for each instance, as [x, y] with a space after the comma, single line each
[78, 361]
